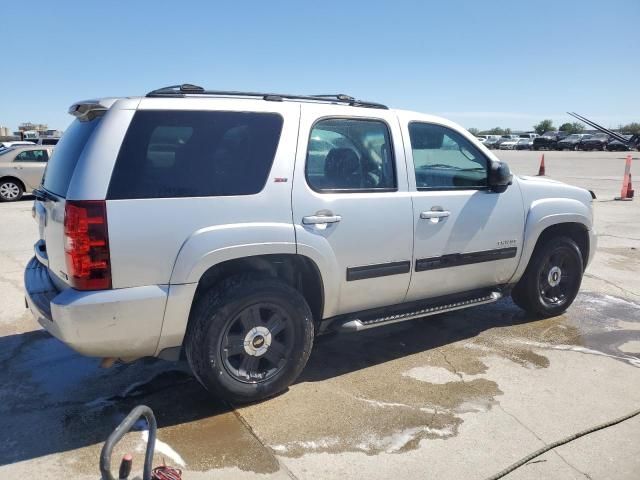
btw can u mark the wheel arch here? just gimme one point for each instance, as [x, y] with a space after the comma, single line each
[297, 271]
[548, 218]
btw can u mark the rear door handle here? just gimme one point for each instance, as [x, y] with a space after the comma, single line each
[434, 214]
[320, 219]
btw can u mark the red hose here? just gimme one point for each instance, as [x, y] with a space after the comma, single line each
[166, 473]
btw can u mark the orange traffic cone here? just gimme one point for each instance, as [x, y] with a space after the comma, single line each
[541, 169]
[627, 189]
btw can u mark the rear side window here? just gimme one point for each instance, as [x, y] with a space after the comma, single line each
[32, 156]
[350, 155]
[65, 157]
[168, 154]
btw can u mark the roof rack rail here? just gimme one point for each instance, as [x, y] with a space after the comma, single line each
[189, 89]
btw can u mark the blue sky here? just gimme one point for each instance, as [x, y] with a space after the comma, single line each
[480, 63]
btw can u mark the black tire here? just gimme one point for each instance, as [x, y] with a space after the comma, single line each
[534, 293]
[536, 148]
[10, 190]
[218, 322]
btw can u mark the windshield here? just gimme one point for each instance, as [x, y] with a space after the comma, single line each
[65, 157]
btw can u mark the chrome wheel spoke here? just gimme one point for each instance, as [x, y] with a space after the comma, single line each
[276, 353]
[235, 345]
[276, 324]
[250, 317]
[249, 366]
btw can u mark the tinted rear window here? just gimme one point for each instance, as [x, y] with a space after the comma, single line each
[195, 154]
[65, 157]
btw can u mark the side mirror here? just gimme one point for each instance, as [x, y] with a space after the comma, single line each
[499, 176]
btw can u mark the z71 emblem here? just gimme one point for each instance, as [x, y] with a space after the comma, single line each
[507, 243]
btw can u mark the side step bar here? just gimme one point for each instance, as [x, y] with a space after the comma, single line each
[357, 324]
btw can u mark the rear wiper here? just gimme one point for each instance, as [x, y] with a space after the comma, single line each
[43, 195]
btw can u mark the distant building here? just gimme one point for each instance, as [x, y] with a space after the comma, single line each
[41, 128]
[5, 132]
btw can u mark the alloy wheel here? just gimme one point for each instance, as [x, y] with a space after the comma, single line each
[557, 278]
[257, 342]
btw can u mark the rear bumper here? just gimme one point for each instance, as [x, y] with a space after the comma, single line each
[124, 323]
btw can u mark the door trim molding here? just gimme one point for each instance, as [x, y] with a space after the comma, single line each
[458, 259]
[378, 270]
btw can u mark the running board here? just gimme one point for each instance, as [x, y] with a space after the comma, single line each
[356, 324]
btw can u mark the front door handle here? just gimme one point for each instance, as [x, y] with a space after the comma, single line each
[434, 214]
[320, 219]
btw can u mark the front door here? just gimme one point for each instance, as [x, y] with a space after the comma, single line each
[351, 206]
[466, 236]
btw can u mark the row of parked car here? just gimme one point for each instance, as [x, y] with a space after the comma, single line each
[555, 140]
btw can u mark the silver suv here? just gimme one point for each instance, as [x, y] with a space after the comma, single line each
[235, 227]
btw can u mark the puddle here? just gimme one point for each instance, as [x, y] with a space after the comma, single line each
[54, 401]
[388, 389]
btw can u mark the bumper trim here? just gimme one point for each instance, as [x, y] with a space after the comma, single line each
[40, 289]
[121, 323]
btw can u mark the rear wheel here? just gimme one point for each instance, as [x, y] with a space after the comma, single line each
[10, 190]
[552, 278]
[249, 338]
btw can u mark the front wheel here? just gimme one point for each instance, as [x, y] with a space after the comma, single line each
[552, 278]
[249, 338]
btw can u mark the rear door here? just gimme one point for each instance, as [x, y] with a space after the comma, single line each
[466, 236]
[351, 208]
[30, 165]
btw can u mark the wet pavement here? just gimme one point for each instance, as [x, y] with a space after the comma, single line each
[382, 391]
[459, 395]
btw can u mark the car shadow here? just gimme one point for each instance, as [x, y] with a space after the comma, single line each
[346, 353]
[54, 400]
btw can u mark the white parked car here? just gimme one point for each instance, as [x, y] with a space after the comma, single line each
[235, 228]
[4, 145]
[509, 144]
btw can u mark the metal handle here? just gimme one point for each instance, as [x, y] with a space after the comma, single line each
[118, 433]
[434, 214]
[320, 219]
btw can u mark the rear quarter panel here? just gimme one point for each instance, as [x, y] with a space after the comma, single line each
[175, 240]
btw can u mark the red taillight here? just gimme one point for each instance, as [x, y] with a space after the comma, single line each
[87, 244]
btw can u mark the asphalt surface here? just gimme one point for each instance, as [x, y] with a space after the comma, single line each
[460, 395]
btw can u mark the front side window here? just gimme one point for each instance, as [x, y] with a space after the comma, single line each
[346, 154]
[32, 156]
[444, 159]
[167, 154]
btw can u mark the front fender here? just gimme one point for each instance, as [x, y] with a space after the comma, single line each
[544, 213]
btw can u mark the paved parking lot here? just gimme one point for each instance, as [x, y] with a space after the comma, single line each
[461, 395]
